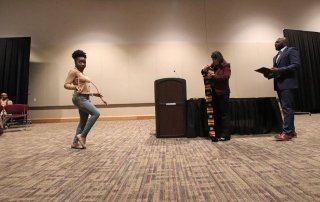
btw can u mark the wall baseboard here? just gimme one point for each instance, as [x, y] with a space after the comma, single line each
[97, 105]
[101, 118]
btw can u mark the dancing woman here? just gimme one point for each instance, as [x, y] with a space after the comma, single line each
[79, 83]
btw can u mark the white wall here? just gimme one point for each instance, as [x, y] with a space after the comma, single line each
[132, 43]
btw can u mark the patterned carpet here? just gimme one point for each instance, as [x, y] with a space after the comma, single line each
[124, 161]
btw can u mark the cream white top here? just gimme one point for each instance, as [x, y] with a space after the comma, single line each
[77, 79]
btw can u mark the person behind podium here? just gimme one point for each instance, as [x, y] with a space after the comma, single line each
[79, 83]
[284, 73]
[219, 78]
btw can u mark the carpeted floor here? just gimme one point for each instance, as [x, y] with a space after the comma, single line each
[124, 161]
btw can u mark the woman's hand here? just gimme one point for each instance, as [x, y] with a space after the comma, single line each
[79, 89]
[97, 95]
[211, 74]
[100, 96]
[206, 67]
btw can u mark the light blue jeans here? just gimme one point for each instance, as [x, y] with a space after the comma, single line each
[85, 108]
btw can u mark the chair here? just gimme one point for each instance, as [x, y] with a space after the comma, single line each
[15, 114]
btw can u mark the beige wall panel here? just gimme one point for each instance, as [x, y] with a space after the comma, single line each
[132, 43]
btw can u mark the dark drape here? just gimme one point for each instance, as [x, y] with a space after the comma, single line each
[197, 118]
[14, 68]
[308, 95]
[247, 115]
[255, 115]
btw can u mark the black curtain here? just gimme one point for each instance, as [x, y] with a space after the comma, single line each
[14, 68]
[247, 116]
[308, 94]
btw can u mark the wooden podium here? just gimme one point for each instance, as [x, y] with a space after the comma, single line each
[170, 106]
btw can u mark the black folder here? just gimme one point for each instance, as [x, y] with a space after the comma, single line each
[264, 70]
[268, 73]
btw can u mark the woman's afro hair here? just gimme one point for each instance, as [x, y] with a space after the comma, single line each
[78, 53]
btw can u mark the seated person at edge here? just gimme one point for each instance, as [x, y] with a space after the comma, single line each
[219, 73]
[5, 100]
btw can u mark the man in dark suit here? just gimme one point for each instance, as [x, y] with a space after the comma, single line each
[285, 65]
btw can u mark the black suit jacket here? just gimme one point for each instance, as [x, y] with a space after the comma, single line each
[288, 63]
